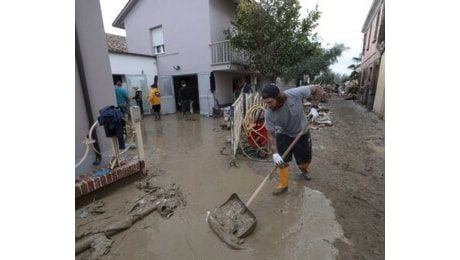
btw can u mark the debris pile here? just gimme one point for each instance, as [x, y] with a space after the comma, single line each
[323, 116]
[98, 237]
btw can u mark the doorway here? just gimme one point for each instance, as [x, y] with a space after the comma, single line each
[192, 81]
[128, 82]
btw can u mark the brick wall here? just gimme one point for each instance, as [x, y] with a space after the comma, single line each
[92, 181]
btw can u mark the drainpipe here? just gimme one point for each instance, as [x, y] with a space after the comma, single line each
[84, 87]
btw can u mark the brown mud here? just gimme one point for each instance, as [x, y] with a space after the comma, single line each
[339, 214]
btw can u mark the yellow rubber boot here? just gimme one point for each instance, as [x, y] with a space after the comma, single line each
[284, 180]
[305, 169]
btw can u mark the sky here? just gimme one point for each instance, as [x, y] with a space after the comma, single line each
[110, 10]
[341, 22]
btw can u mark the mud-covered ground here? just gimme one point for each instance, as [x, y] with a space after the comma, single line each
[349, 168]
[339, 214]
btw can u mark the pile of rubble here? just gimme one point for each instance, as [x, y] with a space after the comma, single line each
[96, 226]
[323, 119]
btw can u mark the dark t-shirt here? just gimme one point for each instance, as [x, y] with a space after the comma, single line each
[186, 93]
[138, 96]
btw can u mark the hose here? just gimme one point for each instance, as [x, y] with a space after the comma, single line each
[88, 141]
[250, 121]
[250, 126]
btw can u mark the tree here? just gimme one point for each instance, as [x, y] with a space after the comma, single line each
[272, 36]
[328, 77]
[356, 71]
[319, 62]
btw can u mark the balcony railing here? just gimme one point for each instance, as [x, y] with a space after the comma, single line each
[223, 53]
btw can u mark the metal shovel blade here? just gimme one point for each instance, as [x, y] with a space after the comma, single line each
[232, 221]
[245, 222]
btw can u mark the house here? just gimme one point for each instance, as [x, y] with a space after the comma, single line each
[187, 38]
[379, 101]
[93, 84]
[372, 64]
[94, 90]
[132, 69]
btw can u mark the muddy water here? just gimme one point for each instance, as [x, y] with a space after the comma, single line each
[297, 225]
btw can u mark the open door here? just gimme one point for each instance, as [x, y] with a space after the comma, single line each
[168, 100]
[141, 82]
[206, 97]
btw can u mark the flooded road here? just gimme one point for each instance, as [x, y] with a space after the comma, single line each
[300, 224]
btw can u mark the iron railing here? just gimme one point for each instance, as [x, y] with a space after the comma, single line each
[223, 53]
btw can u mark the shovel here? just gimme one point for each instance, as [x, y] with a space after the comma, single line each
[233, 221]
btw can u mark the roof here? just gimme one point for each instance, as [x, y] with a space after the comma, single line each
[372, 12]
[119, 21]
[116, 43]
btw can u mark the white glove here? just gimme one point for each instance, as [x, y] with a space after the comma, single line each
[277, 159]
[314, 114]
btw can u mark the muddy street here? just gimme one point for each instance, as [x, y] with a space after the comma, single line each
[348, 167]
[339, 214]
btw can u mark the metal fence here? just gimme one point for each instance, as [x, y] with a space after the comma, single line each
[239, 108]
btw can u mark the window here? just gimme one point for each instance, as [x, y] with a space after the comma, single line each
[381, 35]
[364, 43]
[157, 40]
[369, 76]
[369, 37]
[376, 26]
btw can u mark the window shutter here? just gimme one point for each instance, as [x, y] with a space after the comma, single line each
[157, 36]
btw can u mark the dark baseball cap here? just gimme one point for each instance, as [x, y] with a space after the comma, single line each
[270, 91]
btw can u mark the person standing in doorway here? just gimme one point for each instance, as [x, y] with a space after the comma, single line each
[123, 102]
[138, 98]
[122, 99]
[284, 119]
[155, 101]
[185, 97]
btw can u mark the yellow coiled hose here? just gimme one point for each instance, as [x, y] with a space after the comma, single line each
[251, 129]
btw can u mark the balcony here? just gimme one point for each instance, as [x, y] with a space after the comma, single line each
[222, 53]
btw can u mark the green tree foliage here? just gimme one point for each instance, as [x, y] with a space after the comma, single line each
[320, 61]
[328, 77]
[356, 71]
[341, 78]
[273, 37]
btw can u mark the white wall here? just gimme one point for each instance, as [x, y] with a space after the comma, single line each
[224, 87]
[97, 74]
[220, 15]
[185, 32]
[131, 64]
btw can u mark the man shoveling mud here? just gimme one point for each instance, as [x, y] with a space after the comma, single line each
[284, 119]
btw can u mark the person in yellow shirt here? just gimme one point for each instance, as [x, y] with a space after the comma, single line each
[155, 101]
